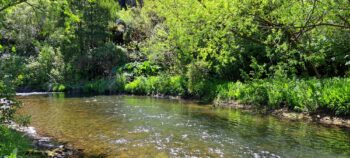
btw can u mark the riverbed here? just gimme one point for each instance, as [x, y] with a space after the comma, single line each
[138, 126]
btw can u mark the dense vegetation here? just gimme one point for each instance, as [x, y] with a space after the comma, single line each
[14, 144]
[292, 54]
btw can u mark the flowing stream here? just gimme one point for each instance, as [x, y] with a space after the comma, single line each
[132, 126]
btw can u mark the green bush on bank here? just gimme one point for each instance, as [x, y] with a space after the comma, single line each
[10, 140]
[332, 95]
[174, 85]
[302, 95]
[59, 88]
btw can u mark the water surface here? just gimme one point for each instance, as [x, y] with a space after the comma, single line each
[130, 126]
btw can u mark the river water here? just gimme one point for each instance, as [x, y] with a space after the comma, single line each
[132, 126]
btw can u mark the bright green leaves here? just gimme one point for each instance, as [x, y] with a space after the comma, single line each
[13, 49]
[227, 34]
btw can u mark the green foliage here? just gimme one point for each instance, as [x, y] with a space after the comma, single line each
[59, 88]
[233, 35]
[140, 68]
[120, 81]
[197, 75]
[10, 140]
[7, 111]
[5, 90]
[99, 86]
[138, 86]
[101, 60]
[46, 69]
[335, 96]
[200, 49]
[13, 154]
[8, 105]
[11, 73]
[327, 95]
[23, 120]
[155, 85]
[177, 86]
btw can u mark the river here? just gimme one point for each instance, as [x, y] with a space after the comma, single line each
[134, 126]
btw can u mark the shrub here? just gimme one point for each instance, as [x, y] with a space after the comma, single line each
[177, 86]
[138, 86]
[174, 85]
[198, 83]
[11, 140]
[98, 86]
[120, 82]
[104, 58]
[300, 95]
[140, 68]
[59, 88]
[336, 96]
[46, 69]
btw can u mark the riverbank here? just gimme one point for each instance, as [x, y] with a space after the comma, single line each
[326, 101]
[317, 117]
[34, 145]
[284, 113]
[323, 100]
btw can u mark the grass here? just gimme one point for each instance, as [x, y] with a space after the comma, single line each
[313, 95]
[166, 85]
[11, 140]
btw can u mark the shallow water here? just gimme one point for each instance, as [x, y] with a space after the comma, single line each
[130, 126]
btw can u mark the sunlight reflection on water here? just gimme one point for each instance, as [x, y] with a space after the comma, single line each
[130, 126]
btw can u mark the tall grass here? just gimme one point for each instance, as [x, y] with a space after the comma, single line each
[166, 85]
[11, 140]
[313, 95]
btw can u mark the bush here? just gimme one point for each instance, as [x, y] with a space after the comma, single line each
[300, 95]
[177, 86]
[140, 68]
[59, 88]
[120, 82]
[105, 58]
[174, 85]
[138, 86]
[44, 70]
[98, 86]
[199, 84]
[10, 140]
[8, 105]
[336, 96]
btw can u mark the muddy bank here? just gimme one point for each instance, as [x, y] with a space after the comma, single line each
[46, 146]
[287, 114]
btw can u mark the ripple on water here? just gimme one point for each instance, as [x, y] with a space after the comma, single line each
[217, 151]
[120, 141]
[263, 154]
[141, 129]
[145, 127]
[176, 151]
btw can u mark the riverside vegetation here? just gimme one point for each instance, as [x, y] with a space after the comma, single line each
[272, 54]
